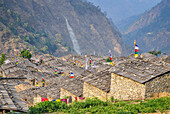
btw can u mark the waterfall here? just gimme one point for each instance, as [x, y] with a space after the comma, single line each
[73, 38]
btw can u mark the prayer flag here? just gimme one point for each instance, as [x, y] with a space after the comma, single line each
[136, 49]
[35, 68]
[37, 82]
[111, 63]
[58, 100]
[42, 99]
[16, 61]
[72, 75]
[81, 64]
[90, 60]
[110, 56]
[62, 72]
[81, 98]
[136, 55]
[76, 99]
[46, 99]
[55, 70]
[43, 79]
[64, 100]
[70, 99]
[90, 70]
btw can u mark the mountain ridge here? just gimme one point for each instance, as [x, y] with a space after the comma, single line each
[47, 17]
[152, 30]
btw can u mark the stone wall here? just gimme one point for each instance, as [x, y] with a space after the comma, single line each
[92, 91]
[36, 99]
[22, 87]
[158, 85]
[65, 93]
[126, 89]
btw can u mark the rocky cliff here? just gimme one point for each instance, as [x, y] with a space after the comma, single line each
[58, 27]
[152, 30]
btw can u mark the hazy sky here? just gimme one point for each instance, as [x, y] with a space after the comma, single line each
[121, 9]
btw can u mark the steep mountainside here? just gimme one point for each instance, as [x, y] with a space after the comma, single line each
[152, 30]
[58, 27]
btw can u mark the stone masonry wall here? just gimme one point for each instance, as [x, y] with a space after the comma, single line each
[158, 85]
[92, 91]
[65, 93]
[126, 89]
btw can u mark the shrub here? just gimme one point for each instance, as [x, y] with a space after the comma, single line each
[112, 99]
[2, 58]
[25, 53]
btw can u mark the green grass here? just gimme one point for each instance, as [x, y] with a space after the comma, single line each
[97, 106]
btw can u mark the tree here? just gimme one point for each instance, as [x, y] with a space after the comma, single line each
[155, 52]
[25, 53]
[2, 58]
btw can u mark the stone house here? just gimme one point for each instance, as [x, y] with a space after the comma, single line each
[33, 95]
[71, 87]
[128, 79]
[138, 79]
[97, 85]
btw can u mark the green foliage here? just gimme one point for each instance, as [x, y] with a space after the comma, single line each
[155, 52]
[47, 106]
[25, 53]
[97, 106]
[112, 99]
[2, 59]
[66, 97]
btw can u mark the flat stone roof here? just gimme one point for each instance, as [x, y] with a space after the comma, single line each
[139, 70]
[10, 100]
[100, 80]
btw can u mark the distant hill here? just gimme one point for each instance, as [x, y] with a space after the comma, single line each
[57, 27]
[120, 10]
[124, 24]
[152, 30]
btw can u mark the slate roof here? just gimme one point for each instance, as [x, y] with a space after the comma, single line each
[139, 70]
[53, 90]
[73, 85]
[13, 80]
[35, 74]
[10, 100]
[8, 65]
[100, 80]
